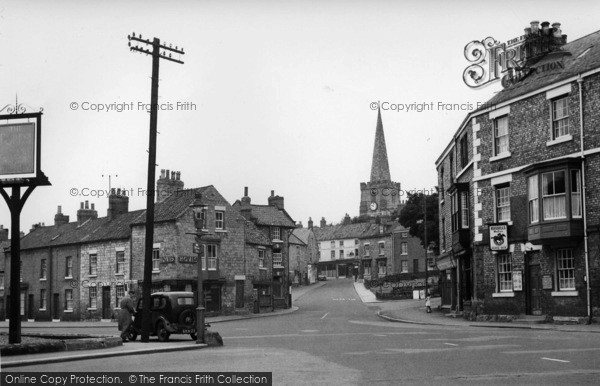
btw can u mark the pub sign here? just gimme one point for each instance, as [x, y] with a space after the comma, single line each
[498, 236]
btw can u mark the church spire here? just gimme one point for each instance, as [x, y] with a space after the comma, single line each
[380, 169]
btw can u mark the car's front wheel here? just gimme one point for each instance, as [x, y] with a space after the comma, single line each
[161, 332]
[194, 336]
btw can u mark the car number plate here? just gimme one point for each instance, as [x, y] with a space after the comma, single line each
[188, 331]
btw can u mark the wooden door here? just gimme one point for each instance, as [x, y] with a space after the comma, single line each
[106, 308]
[535, 290]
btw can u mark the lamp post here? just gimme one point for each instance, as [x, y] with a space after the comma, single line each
[426, 245]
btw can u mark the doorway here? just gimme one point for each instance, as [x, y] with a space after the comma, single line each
[534, 294]
[55, 309]
[106, 309]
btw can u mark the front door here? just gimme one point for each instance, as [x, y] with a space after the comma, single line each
[447, 289]
[106, 309]
[55, 312]
[239, 293]
[535, 290]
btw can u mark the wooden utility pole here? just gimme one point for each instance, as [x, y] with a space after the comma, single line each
[156, 56]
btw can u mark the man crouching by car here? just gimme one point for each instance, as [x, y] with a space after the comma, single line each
[125, 316]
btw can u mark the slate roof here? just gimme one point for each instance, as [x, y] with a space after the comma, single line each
[302, 234]
[90, 231]
[271, 216]
[573, 65]
[293, 239]
[354, 231]
[173, 206]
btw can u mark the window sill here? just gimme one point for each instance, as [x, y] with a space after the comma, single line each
[92, 309]
[503, 295]
[92, 276]
[262, 268]
[220, 230]
[212, 269]
[500, 156]
[68, 311]
[565, 293]
[156, 271]
[68, 277]
[564, 138]
[43, 279]
[42, 309]
[119, 274]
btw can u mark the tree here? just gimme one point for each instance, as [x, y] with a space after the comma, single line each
[411, 217]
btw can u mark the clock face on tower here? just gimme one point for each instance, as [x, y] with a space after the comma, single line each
[373, 205]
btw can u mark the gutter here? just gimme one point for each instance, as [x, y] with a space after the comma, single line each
[583, 203]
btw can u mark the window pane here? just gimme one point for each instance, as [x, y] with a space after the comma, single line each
[532, 192]
[566, 269]
[505, 273]
[575, 193]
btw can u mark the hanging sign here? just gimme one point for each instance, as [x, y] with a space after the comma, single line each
[498, 237]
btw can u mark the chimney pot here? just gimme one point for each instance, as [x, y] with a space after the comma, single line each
[93, 206]
[87, 204]
[272, 193]
[167, 175]
[173, 175]
[81, 205]
[178, 176]
[245, 191]
[162, 173]
[59, 210]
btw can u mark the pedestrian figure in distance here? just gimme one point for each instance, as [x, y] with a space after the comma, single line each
[428, 303]
[125, 316]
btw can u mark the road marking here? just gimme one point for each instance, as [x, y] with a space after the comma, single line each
[379, 335]
[451, 344]
[323, 317]
[560, 351]
[309, 330]
[556, 360]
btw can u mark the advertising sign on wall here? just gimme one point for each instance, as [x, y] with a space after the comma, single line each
[498, 237]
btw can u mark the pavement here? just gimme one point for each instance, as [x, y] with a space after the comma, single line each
[414, 312]
[130, 348]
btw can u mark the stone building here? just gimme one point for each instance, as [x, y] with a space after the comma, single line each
[303, 255]
[81, 269]
[275, 224]
[519, 187]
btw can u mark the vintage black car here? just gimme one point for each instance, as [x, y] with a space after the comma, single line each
[172, 313]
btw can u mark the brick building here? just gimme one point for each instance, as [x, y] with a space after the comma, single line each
[527, 163]
[276, 225]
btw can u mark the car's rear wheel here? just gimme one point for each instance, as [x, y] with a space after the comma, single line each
[194, 336]
[161, 332]
[187, 318]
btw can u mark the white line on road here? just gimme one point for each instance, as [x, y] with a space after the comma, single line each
[323, 317]
[451, 344]
[379, 335]
[556, 360]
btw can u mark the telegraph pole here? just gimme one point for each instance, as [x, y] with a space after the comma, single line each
[156, 56]
[426, 245]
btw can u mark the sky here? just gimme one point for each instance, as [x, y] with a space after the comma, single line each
[273, 95]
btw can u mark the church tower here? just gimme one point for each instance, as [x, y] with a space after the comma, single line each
[380, 196]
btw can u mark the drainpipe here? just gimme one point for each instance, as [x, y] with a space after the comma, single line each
[583, 201]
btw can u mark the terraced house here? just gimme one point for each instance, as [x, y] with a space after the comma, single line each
[520, 188]
[80, 270]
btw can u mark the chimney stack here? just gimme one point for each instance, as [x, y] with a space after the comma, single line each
[276, 201]
[310, 223]
[299, 225]
[85, 213]
[246, 199]
[168, 183]
[323, 222]
[60, 218]
[118, 203]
